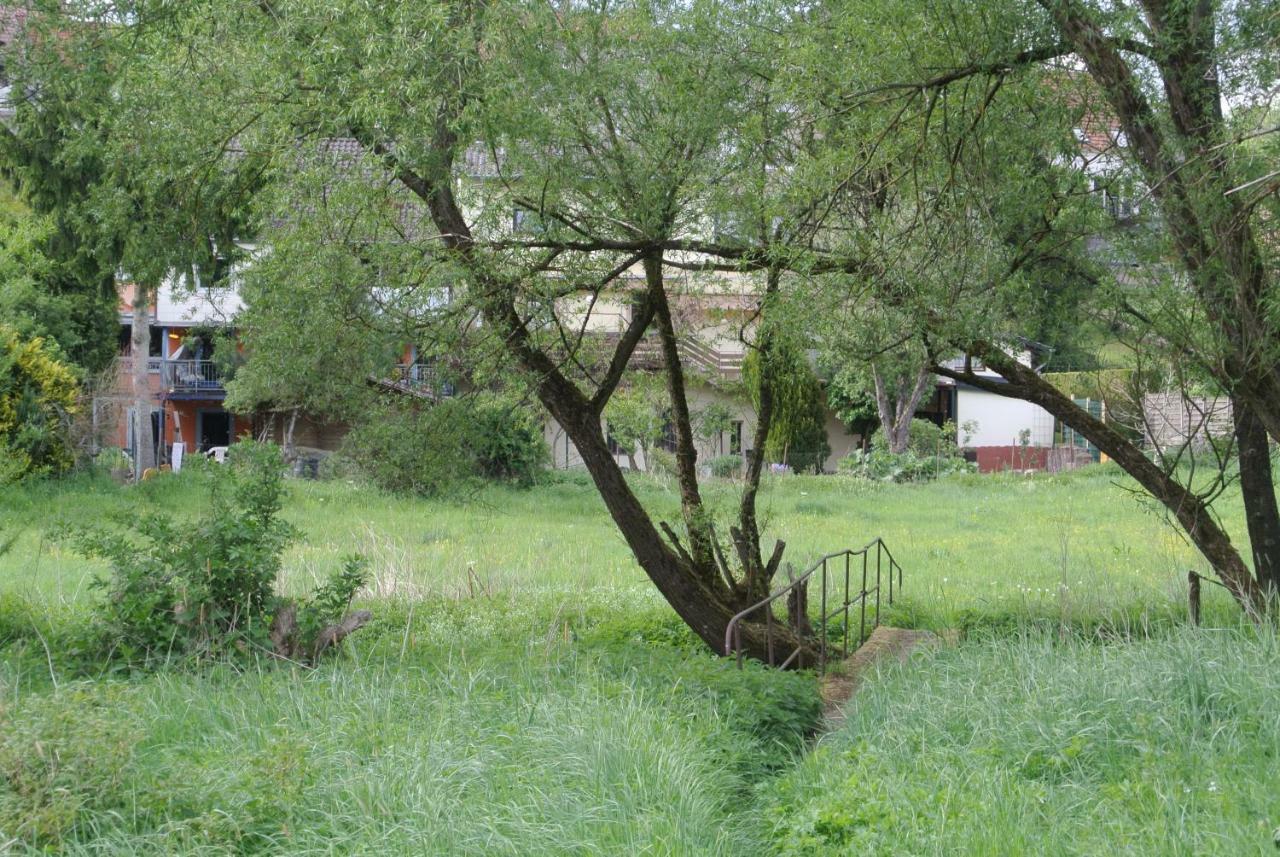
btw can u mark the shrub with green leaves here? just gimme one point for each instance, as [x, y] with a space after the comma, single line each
[798, 434]
[439, 449]
[931, 452]
[207, 588]
[38, 393]
[726, 466]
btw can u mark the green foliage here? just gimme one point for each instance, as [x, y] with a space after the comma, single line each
[851, 395]
[1085, 748]
[38, 394]
[726, 466]
[662, 461]
[442, 448]
[931, 452]
[712, 421]
[331, 600]
[38, 301]
[636, 415]
[798, 433]
[506, 441]
[200, 589]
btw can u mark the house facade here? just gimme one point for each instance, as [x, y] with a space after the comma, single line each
[185, 381]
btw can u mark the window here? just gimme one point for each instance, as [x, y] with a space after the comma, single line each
[668, 439]
[735, 438]
[1119, 207]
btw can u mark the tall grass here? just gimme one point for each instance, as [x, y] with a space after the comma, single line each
[547, 748]
[1076, 547]
[1039, 744]
[524, 690]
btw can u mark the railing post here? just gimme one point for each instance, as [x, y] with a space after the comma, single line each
[862, 629]
[878, 584]
[822, 640]
[768, 633]
[879, 548]
[1193, 596]
[845, 650]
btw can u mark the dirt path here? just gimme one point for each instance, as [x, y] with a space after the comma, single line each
[839, 684]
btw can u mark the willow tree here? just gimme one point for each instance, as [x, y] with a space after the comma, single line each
[1029, 114]
[511, 166]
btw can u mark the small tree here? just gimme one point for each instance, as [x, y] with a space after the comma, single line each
[798, 434]
[636, 416]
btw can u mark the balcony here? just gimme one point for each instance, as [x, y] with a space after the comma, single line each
[180, 379]
[191, 377]
[423, 380]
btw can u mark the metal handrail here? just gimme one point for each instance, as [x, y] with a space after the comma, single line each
[799, 587]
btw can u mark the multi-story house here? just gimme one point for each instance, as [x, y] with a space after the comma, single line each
[185, 381]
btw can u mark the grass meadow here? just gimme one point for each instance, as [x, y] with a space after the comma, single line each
[524, 691]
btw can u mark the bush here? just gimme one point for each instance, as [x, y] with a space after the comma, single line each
[931, 452]
[446, 447]
[207, 588]
[662, 462]
[726, 466]
[37, 398]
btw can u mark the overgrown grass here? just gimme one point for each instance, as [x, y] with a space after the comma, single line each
[1041, 745]
[545, 750]
[1071, 548]
[523, 689]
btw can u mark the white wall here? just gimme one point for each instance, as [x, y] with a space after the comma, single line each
[1000, 419]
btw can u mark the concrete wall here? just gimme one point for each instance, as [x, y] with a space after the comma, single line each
[176, 304]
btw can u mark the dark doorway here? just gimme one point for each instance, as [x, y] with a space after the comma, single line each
[214, 429]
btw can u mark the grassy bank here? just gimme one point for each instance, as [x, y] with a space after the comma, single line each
[1037, 745]
[523, 690]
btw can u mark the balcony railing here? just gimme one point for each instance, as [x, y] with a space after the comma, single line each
[190, 376]
[424, 378]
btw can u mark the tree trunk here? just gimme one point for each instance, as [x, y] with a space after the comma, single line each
[289, 452]
[896, 413]
[143, 398]
[755, 580]
[1258, 491]
[1187, 508]
[695, 516]
[1188, 165]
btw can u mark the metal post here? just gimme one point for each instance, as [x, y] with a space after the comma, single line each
[1193, 594]
[877, 589]
[768, 634]
[879, 548]
[845, 650]
[862, 629]
[822, 640]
